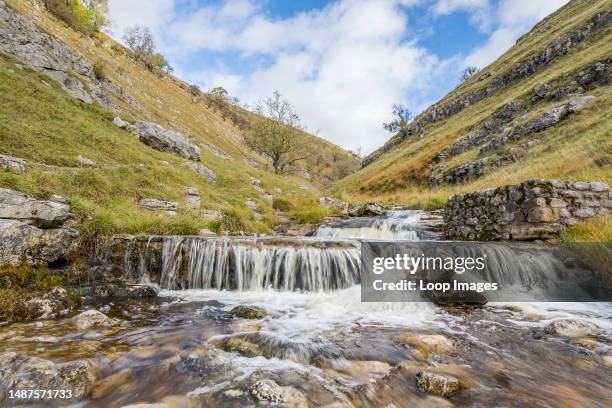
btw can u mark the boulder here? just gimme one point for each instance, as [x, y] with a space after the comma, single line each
[45, 304]
[203, 170]
[120, 123]
[439, 384]
[578, 103]
[165, 140]
[132, 291]
[192, 197]
[328, 202]
[152, 204]
[212, 214]
[40, 213]
[20, 371]
[269, 391]
[204, 232]
[248, 312]
[85, 161]
[92, 318]
[13, 164]
[572, 328]
[366, 210]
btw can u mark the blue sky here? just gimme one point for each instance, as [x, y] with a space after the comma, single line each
[341, 63]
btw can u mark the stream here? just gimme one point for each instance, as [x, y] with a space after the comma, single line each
[186, 348]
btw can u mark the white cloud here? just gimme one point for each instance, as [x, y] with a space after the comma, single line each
[449, 6]
[153, 14]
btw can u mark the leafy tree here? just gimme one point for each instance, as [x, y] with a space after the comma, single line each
[219, 92]
[98, 13]
[468, 73]
[276, 135]
[86, 16]
[140, 40]
[401, 118]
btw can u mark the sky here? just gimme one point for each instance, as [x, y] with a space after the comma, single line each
[341, 63]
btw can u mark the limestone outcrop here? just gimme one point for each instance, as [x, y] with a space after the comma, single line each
[164, 140]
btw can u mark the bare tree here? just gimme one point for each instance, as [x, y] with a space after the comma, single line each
[468, 73]
[401, 118]
[140, 40]
[276, 135]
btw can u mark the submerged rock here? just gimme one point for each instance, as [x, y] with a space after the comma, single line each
[572, 328]
[19, 371]
[427, 343]
[248, 312]
[439, 384]
[270, 391]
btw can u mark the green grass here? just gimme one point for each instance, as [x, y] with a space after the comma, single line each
[596, 230]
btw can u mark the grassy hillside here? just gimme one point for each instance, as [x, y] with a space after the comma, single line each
[578, 147]
[40, 122]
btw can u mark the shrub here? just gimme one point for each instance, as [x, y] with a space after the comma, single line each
[310, 215]
[282, 204]
[99, 69]
[87, 20]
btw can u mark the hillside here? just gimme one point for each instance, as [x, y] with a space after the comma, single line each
[542, 110]
[59, 93]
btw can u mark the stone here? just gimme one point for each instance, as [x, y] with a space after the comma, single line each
[15, 165]
[92, 318]
[269, 391]
[203, 170]
[366, 210]
[85, 161]
[152, 204]
[204, 232]
[558, 203]
[44, 304]
[579, 185]
[584, 213]
[132, 291]
[25, 372]
[598, 186]
[572, 328]
[120, 123]
[251, 204]
[213, 215]
[542, 215]
[192, 197]
[40, 213]
[576, 104]
[427, 343]
[439, 384]
[165, 140]
[248, 312]
[327, 202]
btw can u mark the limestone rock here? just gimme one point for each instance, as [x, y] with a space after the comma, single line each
[120, 123]
[203, 170]
[44, 304]
[13, 164]
[165, 140]
[427, 343]
[24, 372]
[366, 210]
[132, 291]
[192, 197]
[572, 328]
[85, 161]
[328, 202]
[40, 213]
[270, 391]
[578, 103]
[439, 384]
[212, 214]
[152, 204]
[206, 233]
[92, 318]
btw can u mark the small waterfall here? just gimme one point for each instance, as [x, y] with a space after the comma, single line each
[258, 263]
[394, 225]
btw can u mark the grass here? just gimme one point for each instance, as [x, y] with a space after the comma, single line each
[579, 148]
[596, 230]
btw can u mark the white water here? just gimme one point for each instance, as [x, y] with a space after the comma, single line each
[394, 225]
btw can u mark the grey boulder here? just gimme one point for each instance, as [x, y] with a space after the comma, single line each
[203, 170]
[15, 205]
[165, 140]
[12, 164]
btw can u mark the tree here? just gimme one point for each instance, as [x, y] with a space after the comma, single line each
[85, 16]
[98, 13]
[468, 73]
[219, 92]
[140, 40]
[195, 92]
[158, 62]
[276, 135]
[402, 117]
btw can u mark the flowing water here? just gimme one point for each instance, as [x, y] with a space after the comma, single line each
[185, 348]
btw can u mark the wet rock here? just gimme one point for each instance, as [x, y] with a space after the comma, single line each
[572, 328]
[270, 391]
[458, 298]
[165, 140]
[19, 371]
[241, 345]
[44, 305]
[92, 318]
[366, 210]
[40, 213]
[438, 384]
[203, 170]
[327, 202]
[13, 164]
[120, 123]
[248, 312]
[427, 343]
[136, 291]
[152, 204]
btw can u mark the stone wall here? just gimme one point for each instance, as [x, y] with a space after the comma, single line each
[534, 209]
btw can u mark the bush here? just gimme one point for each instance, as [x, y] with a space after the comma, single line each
[99, 69]
[282, 204]
[74, 13]
[310, 215]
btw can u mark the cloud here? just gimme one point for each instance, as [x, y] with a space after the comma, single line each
[443, 7]
[153, 14]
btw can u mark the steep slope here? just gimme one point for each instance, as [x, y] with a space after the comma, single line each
[541, 110]
[59, 93]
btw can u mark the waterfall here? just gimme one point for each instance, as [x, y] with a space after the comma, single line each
[394, 225]
[259, 263]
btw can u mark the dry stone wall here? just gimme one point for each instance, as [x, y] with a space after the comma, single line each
[534, 209]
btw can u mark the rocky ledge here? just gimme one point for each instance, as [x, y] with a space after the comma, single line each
[534, 209]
